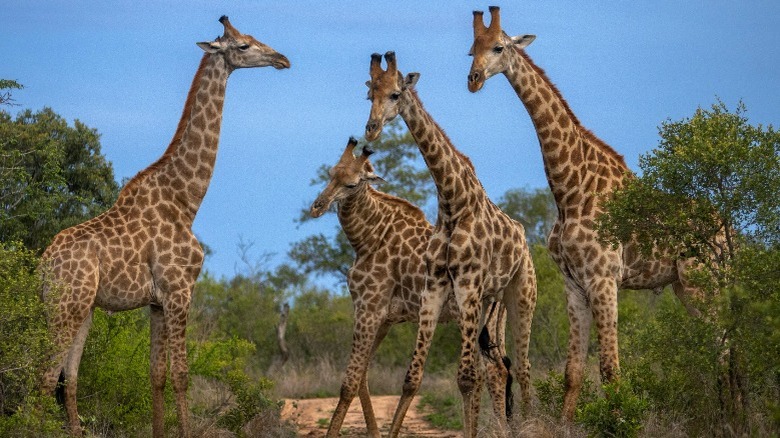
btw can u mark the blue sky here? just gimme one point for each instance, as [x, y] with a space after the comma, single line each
[124, 68]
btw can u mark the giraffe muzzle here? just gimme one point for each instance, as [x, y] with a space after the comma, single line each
[281, 62]
[372, 130]
[475, 81]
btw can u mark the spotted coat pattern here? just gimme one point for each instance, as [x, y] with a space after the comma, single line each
[581, 170]
[476, 250]
[389, 236]
[142, 252]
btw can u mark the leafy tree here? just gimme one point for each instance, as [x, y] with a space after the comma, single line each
[709, 191]
[52, 176]
[710, 185]
[6, 85]
[534, 208]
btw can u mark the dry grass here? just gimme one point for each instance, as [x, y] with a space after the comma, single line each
[322, 378]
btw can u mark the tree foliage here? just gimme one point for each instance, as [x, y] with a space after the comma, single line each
[534, 208]
[24, 341]
[710, 186]
[52, 176]
[709, 191]
[6, 87]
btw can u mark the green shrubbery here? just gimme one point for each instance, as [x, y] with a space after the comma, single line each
[25, 347]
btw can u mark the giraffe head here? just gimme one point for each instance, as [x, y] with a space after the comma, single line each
[348, 176]
[492, 49]
[384, 92]
[243, 51]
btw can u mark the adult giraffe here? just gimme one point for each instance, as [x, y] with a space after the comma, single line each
[476, 250]
[389, 236]
[580, 169]
[142, 252]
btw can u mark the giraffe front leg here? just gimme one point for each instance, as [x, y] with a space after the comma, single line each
[372, 428]
[176, 324]
[580, 318]
[175, 284]
[470, 307]
[363, 340]
[431, 304]
[603, 303]
[158, 368]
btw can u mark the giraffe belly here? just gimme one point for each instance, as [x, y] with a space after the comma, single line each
[645, 272]
[125, 287]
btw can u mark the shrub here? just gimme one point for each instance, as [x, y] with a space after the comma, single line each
[24, 340]
[114, 391]
[619, 414]
[25, 347]
[551, 391]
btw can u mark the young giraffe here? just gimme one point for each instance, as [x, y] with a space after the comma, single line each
[476, 250]
[580, 169]
[389, 236]
[142, 252]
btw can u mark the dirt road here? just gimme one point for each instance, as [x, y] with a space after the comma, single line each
[313, 415]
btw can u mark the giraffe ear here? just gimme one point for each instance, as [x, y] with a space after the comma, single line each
[523, 40]
[373, 178]
[411, 80]
[210, 46]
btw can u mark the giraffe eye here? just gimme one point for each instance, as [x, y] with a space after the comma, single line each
[350, 186]
[243, 47]
[498, 49]
[395, 96]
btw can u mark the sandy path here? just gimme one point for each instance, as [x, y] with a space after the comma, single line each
[313, 415]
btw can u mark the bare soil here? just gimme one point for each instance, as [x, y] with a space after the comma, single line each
[312, 417]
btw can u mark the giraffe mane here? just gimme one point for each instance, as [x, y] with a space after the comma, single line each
[587, 133]
[460, 154]
[178, 135]
[398, 202]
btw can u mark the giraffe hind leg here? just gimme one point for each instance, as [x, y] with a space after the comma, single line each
[497, 368]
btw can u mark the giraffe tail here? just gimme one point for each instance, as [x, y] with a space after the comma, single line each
[59, 390]
[510, 398]
[486, 345]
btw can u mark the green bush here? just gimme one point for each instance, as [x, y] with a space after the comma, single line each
[619, 414]
[225, 362]
[114, 391]
[550, 391]
[24, 341]
[25, 348]
[37, 416]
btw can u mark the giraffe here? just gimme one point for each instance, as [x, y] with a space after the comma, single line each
[142, 252]
[580, 170]
[476, 250]
[389, 236]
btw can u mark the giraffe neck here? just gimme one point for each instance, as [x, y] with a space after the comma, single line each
[182, 175]
[575, 160]
[453, 173]
[363, 217]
